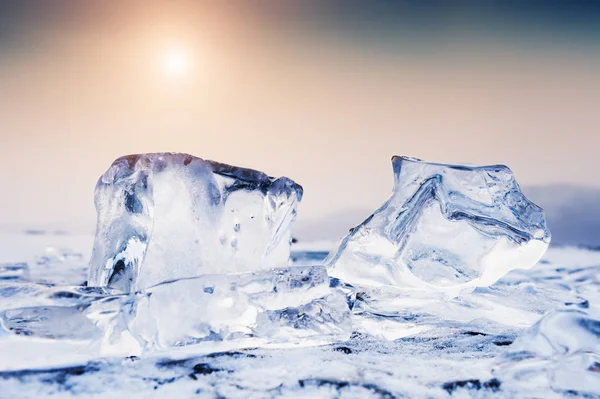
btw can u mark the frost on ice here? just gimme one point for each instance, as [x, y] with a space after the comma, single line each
[167, 216]
[445, 228]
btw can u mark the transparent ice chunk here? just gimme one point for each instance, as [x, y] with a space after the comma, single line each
[168, 216]
[292, 305]
[26, 294]
[47, 311]
[561, 351]
[280, 305]
[53, 322]
[445, 228]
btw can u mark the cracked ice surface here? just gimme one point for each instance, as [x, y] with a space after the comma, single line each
[445, 228]
[169, 216]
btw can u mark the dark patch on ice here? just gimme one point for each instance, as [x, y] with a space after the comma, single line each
[594, 248]
[64, 295]
[593, 326]
[502, 343]
[231, 354]
[205, 369]
[172, 363]
[582, 305]
[493, 384]
[474, 333]
[339, 385]
[161, 381]
[381, 392]
[595, 367]
[197, 369]
[475, 384]
[58, 376]
[343, 349]
[118, 269]
[133, 204]
[320, 383]
[454, 385]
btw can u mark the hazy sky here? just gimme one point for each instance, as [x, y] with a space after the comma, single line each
[324, 93]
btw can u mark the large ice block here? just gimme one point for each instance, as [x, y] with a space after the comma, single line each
[445, 228]
[167, 216]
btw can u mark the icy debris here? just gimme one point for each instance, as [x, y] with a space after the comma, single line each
[561, 352]
[46, 311]
[53, 322]
[445, 228]
[288, 305]
[167, 216]
[281, 306]
[25, 294]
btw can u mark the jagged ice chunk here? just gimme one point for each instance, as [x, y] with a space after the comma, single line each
[445, 228]
[167, 216]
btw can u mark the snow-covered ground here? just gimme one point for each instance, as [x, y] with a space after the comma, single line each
[426, 349]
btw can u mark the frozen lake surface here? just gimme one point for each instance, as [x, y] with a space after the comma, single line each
[434, 348]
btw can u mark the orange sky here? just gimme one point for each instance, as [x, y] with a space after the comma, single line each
[325, 109]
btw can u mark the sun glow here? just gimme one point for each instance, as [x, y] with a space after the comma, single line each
[176, 62]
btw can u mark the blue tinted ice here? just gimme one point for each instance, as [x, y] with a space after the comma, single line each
[445, 228]
[560, 352]
[168, 216]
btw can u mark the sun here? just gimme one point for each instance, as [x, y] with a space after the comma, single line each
[176, 62]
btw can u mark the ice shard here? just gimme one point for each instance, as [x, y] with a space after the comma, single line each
[284, 305]
[293, 305]
[561, 351]
[167, 216]
[445, 228]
